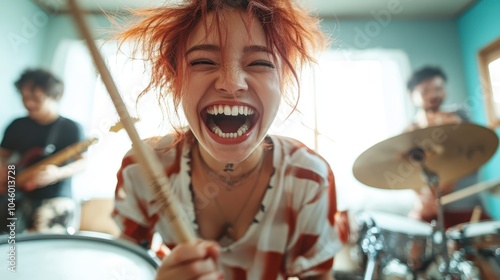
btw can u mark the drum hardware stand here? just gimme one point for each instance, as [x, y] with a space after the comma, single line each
[432, 179]
[372, 244]
[461, 268]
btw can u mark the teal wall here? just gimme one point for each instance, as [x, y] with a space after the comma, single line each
[478, 27]
[29, 37]
[23, 29]
[426, 42]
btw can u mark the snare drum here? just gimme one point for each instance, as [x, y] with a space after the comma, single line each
[401, 238]
[77, 257]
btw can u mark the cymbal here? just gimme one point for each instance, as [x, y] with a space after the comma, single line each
[450, 151]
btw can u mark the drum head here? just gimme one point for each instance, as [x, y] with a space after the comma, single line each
[399, 224]
[488, 229]
[82, 256]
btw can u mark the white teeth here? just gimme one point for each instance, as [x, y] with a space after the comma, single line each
[234, 110]
[230, 110]
[241, 130]
[227, 110]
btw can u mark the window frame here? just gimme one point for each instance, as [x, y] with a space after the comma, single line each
[487, 55]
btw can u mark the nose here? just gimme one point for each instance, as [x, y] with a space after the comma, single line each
[432, 96]
[232, 80]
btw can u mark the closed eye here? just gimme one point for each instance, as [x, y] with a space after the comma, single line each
[201, 62]
[262, 63]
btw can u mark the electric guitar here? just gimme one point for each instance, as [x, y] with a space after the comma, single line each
[56, 159]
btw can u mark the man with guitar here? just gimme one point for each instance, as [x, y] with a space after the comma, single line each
[43, 201]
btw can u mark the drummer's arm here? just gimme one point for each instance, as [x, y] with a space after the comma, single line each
[443, 188]
[426, 205]
[447, 188]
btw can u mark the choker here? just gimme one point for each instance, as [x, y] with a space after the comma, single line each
[225, 177]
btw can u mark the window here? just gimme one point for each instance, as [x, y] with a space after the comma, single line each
[349, 102]
[96, 113]
[489, 59]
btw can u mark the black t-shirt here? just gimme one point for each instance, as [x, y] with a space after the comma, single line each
[34, 142]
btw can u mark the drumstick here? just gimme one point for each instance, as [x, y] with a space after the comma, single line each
[476, 214]
[479, 187]
[148, 161]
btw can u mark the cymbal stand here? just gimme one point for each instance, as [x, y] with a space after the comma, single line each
[372, 244]
[432, 179]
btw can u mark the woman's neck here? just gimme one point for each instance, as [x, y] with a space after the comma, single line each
[235, 169]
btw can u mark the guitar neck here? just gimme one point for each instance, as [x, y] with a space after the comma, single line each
[55, 159]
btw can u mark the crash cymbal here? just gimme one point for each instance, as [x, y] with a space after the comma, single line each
[451, 151]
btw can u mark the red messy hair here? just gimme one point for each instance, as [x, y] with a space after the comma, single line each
[161, 36]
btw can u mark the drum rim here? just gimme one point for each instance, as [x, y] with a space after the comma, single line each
[423, 229]
[87, 236]
[456, 231]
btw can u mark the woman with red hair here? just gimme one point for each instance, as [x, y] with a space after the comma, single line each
[264, 204]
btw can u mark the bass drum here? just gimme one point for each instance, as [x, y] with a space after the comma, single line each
[78, 257]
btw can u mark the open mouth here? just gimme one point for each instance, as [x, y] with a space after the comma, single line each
[229, 121]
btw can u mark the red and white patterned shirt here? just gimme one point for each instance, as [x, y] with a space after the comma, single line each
[293, 234]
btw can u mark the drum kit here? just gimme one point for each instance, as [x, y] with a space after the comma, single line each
[388, 246]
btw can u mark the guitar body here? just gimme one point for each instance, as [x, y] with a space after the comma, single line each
[58, 159]
[26, 169]
[29, 158]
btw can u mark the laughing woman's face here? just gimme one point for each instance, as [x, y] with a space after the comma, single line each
[233, 88]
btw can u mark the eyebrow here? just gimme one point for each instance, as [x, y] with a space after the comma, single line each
[210, 47]
[256, 48]
[203, 47]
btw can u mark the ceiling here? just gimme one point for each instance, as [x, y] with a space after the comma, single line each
[340, 9]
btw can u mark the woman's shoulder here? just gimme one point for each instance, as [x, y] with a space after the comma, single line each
[293, 148]
[298, 156]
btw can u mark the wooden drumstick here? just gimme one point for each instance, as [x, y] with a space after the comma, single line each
[148, 161]
[479, 187]
[476, 214]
